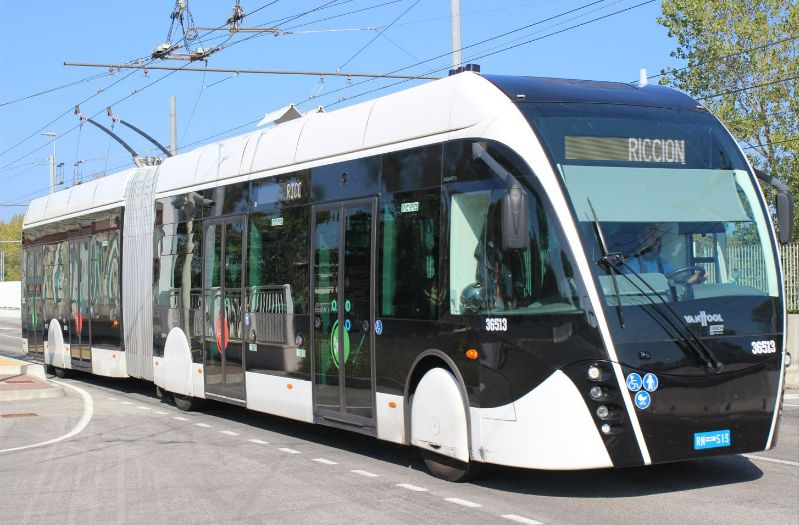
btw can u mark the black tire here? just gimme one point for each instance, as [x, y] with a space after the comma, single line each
[60, 373]
[187, 403]
[450, 469]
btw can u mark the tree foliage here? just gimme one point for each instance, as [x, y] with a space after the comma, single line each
[11, 231]
[743, 64]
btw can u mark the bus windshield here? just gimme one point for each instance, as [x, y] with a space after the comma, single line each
[668, 191]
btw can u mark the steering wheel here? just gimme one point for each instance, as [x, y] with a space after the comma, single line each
[693, 271]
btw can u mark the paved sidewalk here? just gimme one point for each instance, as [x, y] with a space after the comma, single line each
[20, 380]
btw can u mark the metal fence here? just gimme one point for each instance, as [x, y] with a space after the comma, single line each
[790, 269]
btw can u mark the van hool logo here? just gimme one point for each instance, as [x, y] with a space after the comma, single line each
[703, 318]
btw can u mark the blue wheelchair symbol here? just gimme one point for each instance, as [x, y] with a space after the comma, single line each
[642, 399]
[378, 327]
[651, 382]
[634, 382]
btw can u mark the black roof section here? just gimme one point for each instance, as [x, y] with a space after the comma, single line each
[541, 89]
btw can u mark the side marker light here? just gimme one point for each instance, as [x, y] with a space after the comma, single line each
[594, 372]
[471, 354]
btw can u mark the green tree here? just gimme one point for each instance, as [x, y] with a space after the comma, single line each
[11, 231]
[743, 64]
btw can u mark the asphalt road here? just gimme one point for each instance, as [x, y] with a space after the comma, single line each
[139, 459]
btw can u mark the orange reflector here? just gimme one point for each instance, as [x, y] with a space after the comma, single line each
[116, 323]
[471, 353]
[199, 370]
[289, 386]
[113, 356]
[392, 404]
[156, 363]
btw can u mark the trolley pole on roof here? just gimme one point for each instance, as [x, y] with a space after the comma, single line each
[455, 14]
[173, 126]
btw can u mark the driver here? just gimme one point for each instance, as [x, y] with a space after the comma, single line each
[647, 258]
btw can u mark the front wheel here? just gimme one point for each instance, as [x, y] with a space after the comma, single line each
[187, 403]
[450, 469]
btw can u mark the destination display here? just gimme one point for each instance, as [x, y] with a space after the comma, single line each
[627, 149]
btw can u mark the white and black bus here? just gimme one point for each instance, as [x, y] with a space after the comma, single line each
[541, 273]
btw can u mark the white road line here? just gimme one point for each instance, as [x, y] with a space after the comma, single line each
[789, 405]
[143, 408]
[88, 410]
[324, 461]
[112, 399]
[203, 425]
[521, 519]
[289, 451]
[411, 487]
[463, 502]
[228, 433]
[180, 418]
[771, 460]
[364, 473]
[790, 396]
[126, 403]
[258, 441]
[160, 413]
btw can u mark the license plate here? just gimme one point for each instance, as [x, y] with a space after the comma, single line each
[712, 439]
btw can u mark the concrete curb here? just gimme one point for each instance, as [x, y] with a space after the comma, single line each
[37, 393]
[20, 380]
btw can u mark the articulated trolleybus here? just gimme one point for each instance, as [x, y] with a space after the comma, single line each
[540, 273]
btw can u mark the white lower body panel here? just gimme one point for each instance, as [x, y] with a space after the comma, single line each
[109, 363]
[281, 396]
[553, 430]
[391, 418]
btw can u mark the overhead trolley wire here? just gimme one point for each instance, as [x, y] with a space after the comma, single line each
[57, 88]
[749, 88]
[379, 34]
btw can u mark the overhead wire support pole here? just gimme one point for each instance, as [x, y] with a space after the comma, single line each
[252, 71]
[157, 144]
[455, 15]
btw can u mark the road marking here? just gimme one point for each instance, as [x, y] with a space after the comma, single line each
[228, 433]
[180, 418]
[521, 519]
[772, 460]
[126, 403]
[790, 396]
[789, 405]
[289, 451]
[112, 399]
[463, 502]
[203, 425]
[160, 413]
[411, 487]
[364, 473]
[143, 408]
[324, 461]
[258, 441]
[88, 410]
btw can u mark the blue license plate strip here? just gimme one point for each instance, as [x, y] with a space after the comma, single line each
[712, 439]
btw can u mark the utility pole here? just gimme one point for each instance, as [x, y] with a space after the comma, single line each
[455, 13]
[52, 160]
[173, 125]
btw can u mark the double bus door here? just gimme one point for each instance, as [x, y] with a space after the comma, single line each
[33, 299]
[223, 295]
[343, 306]
[79, 321]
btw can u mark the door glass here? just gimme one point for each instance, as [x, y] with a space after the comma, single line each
[84, 327]
[355, 350]
[326, 326]
[75, 319]
[214, 317]
[232, 340]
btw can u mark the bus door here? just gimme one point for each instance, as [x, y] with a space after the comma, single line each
[223, 286]
[343, 306]
[79, 315]
[33, 312]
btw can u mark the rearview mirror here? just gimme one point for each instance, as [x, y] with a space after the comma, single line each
[515, 210]
[785, 216]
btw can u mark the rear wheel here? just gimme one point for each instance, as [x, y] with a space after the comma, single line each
[187, 403]
[60, 373]
[450, 469]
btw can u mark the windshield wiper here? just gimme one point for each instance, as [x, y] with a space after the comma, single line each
[610, 261]
[694, 342]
